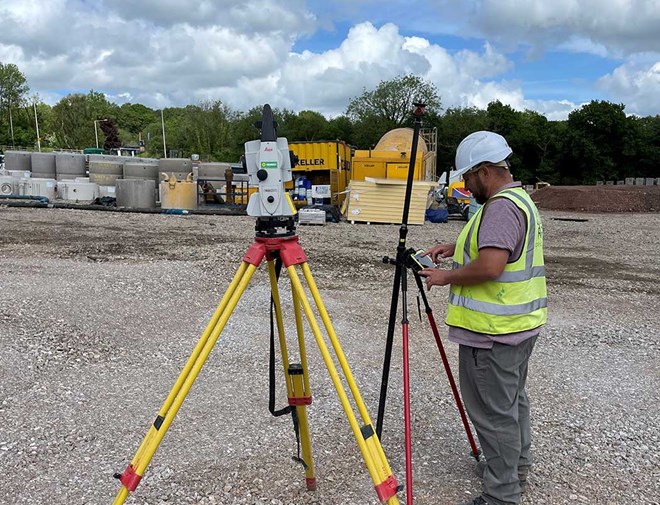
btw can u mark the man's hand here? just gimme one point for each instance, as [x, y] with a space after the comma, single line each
[435, 277]
[440, 251]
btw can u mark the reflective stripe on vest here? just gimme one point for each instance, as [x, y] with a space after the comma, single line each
[498, 309]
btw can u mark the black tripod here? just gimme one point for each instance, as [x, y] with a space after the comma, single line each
[405, 259]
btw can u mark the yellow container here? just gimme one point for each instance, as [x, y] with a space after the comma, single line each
[324, 163]
[400, 170]
[368, 168]
[242, 197]
[178, 195]
[390, 158]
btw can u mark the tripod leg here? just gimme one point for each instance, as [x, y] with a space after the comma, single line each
[385, 483]
[297, 380]
[387, 360]
[130, 478]
[275, 293]
[476, 453]
[302, 396]
[406, 388]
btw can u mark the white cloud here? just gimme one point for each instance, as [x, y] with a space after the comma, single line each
[167, 52]
[616, 26]
[637, 85]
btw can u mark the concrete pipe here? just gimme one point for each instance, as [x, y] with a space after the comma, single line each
[69, 166]
[105, 170]
[177, 167]
[141, 168]
[136, 193]
[18, 160]
[43, 165]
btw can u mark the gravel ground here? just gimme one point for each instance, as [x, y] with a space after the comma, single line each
[99, 312]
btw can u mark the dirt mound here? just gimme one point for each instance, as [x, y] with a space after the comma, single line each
[599, 198]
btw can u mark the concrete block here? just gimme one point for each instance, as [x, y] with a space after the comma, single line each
[609, 183]
[649, 181]
[620, 183]
[630, 181]
[599, 183]
[639, 181]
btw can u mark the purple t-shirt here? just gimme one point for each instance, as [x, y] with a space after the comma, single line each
[503, 225]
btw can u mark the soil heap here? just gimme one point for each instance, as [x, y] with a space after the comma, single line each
[599, 198]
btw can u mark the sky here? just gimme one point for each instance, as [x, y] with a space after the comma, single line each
[551, 56]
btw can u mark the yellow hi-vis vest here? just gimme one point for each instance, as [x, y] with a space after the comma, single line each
[517, 299]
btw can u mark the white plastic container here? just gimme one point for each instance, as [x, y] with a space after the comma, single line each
[8, 186]
[311, 216]
[82, 192]
[42, 187]
[109, 191]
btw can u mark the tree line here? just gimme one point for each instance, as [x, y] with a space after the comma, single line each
[598, 141]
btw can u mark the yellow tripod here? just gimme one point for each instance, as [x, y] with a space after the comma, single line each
[289, 251]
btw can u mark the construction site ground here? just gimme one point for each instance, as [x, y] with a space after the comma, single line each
[100, 310]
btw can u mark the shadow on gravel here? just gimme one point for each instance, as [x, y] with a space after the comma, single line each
[577, 271]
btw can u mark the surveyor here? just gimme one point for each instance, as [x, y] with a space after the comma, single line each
[497, 307]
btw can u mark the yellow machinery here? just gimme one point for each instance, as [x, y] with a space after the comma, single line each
[324, 163]
[461, 194]
[390, 158]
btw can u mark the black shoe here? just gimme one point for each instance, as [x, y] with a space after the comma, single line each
[522, 473]
[479, 500]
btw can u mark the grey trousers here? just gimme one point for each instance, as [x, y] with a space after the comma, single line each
[493, 390]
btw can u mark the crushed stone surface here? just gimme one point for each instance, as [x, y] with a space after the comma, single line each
[99, 312]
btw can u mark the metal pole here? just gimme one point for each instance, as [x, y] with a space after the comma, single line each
[162, 122]
[96, 133]
[36, 122]
[11, 127]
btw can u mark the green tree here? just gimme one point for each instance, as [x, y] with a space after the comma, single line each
[206, 130]
[308, 125]
[389, 106]
[134, 117]
[597, 146]
[340, 128]
[453, 126]
[75, 116]
[13, 90]
[647, 148]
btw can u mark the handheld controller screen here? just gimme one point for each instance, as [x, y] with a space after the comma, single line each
[421, 262]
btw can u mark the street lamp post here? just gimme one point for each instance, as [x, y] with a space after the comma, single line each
[36, 122]
[96, 133]
[162, 122]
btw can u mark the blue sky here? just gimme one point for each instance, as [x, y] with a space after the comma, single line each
[531, 54]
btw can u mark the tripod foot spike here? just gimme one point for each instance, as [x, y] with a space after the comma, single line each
[129, 479]
[387, 489]
[311, 483]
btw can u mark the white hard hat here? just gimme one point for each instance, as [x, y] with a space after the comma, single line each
[479, 147]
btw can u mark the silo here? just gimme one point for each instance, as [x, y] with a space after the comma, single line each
[68, 166]
[179, 167]
[136, 193]
[105, 170]
[43, 165]
[18, 160]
